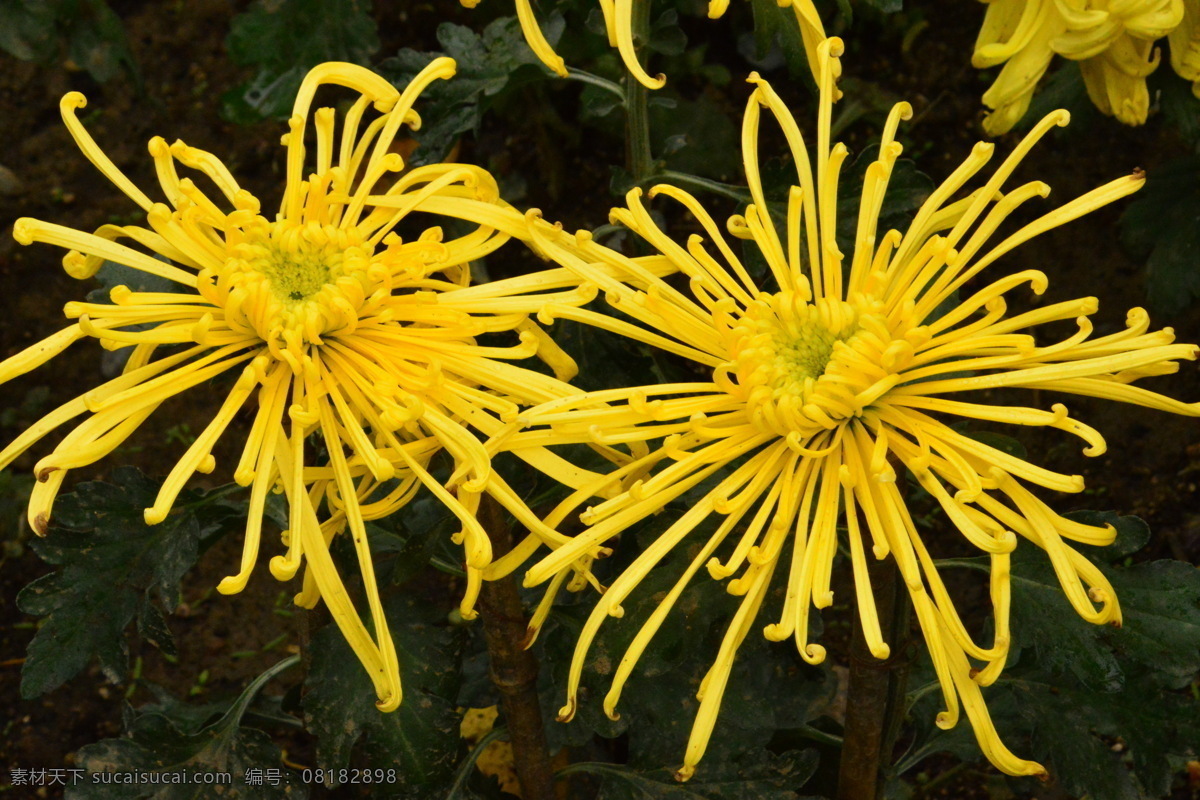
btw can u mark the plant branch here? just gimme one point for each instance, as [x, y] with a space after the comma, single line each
[876, 694]
[514, 670]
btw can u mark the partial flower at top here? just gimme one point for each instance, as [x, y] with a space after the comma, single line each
[828, 374]
[1185, 47]
[618, 19]
[342, 329]
[1114, 43]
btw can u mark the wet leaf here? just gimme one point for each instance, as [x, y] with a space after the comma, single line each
[114, 569]
[158, 744]
[420, 739]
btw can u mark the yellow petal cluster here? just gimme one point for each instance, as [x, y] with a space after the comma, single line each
[334, 329]
[824, 375]
[1114, 41]
[618, 19]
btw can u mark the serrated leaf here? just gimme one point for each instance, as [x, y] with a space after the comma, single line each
[488, 64]
[1163, 225]
[1043, 620]
[156, 744]
[284, 39]
[114, 567]
[1160, 602]
[1086, 700]
[421, 738]
[666, 36]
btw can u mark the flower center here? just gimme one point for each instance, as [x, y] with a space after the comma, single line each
[298, 261]
[802, 367]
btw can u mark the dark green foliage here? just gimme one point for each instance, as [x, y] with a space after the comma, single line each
[488, 64]
[85, 31]
[1162, 224]
[421, 739]
[755, 775]
[115, 569]
[776, 26]
[170, 738]
[283, 40]
[770, 689]
[1095, 704]
[1063, 89]
[907, 189]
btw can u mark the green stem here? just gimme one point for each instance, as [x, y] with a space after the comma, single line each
[595, 80]
[638, 156]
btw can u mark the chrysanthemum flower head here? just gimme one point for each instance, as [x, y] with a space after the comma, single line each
[341, 327]
[1114, 43]
[618, 20]
[829, 373]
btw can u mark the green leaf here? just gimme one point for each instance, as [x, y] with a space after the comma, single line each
[1044, 621]
[1063, 89]
[1180, 106]
[114, 569]
[666, 36]
[1132, 533]
[421, 738]
[886, 6]
[907, 189]
[1097, 705]
[488, 64]
[694, 136]
[88, 31]
[756, 775]
[284, 39]
[1163, 226]
[774, 25]
[156, 743]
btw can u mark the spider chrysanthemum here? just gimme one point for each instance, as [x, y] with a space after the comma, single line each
[1113, 41]
[347, 333]
[828, 373]
[618, 22]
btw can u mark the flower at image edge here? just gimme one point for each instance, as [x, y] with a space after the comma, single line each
[1114, 43]
[342, 328]
[828, 374]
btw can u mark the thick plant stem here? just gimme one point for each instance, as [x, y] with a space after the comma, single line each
[514, 670]
[638, 158]
[869, 735]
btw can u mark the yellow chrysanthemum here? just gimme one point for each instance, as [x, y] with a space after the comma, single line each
[618, 19]
[824, 373]
[340, 326]
[1114, 41]
[1185, 47]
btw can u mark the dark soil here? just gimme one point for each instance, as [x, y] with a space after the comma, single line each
[1150, 470]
